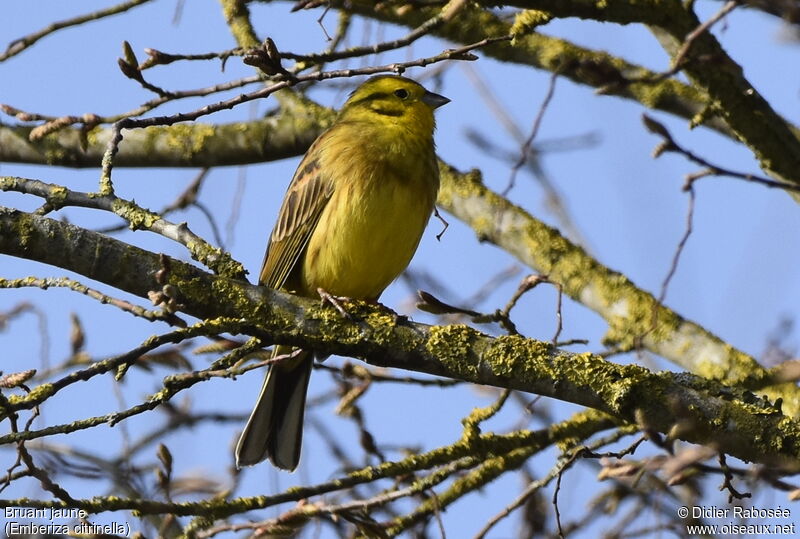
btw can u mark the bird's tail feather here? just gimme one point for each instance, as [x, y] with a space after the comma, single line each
[275, 427]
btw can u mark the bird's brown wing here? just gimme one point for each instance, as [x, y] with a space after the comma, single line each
[306, 197]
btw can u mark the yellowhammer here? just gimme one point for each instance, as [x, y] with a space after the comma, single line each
[349, 224]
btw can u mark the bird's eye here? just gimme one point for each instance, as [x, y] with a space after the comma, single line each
[402, 94]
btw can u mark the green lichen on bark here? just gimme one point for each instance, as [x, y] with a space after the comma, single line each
[528, 363]
[238, 18]
[612, 383]
[137, 217]
[222, 290]
[216, 259]
[580, 426]
[452, 345]
[613, 75]
[24, 228]
[187, 140]
[38, 393]
[512, 355]
[634, 317]
[55, 154]
[488, 471]
[527, 21]
[640, 316]
[770, 137]
[57, 197]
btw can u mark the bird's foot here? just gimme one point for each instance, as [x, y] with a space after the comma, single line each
[334, 301]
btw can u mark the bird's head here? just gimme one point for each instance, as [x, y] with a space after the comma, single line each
[390, 99]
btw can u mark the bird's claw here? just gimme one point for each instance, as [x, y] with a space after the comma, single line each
[334, 301]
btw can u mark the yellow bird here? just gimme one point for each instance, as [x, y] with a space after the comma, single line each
[349, 224]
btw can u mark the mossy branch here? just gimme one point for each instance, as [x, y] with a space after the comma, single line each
[287, 133]
[774, 141]
[269, 139]
[138, 218]
[719, 82]
[44, 391]
[618, 11]
[237, 15]
[682, 405]
[610, 74]
[770, 137]
[634, 316]
[570, 431]
[629, 310]
[490, 469]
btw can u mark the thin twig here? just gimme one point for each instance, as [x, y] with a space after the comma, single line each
[678, 61]
[662, 296]
[112, 147]
[670, 145]
[57, 196]
[66, 282]
[22, 43]
[537, 122]
[89, 120]
[447, 13]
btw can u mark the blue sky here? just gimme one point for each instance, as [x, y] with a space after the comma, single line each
[737, 276]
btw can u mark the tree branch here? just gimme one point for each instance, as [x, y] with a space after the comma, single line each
[57, 197]
[748, 115]
[682, 405]
[287, 133]
[20, 44]
[567, 433]
[629, 310]
[773, 141]
[611, 75]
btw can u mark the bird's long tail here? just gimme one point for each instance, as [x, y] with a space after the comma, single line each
[275, 427]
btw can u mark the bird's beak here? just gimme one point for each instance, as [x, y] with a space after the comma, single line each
[433, 100]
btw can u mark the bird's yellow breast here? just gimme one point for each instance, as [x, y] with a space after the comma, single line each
[370, 228]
